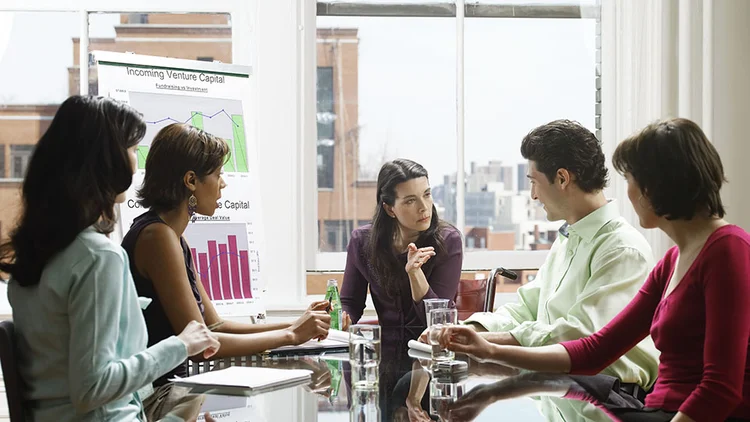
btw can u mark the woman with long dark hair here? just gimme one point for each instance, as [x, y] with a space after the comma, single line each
[79, 330]
[406, 255]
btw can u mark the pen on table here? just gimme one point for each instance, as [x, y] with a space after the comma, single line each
[328, 311]
[215, 325]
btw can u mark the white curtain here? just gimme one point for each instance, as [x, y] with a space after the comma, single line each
[678, 58]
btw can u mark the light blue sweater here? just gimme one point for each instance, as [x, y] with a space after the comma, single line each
[82, 338]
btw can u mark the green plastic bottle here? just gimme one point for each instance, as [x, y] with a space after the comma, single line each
[336, 370]
[333, 298]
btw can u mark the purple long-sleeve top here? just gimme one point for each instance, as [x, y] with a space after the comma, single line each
[400, 309]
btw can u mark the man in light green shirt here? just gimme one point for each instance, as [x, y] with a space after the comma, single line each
[596, 265]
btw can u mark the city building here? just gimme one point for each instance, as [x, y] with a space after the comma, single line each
[499, 211]
[21, 126]
[345, 202]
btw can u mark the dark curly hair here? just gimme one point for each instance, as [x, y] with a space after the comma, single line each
[565, 144]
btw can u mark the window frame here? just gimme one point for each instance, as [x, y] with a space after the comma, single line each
[473, 260]
[285, 87]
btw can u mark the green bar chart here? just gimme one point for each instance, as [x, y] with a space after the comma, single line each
[219, 117]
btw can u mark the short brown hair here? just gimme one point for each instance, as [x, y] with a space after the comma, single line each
[568, 145]
[175, 150]
[676, 167]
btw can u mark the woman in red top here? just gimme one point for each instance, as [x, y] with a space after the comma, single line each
[694, 302]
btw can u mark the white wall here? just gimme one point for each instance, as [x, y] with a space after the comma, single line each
[730, 97]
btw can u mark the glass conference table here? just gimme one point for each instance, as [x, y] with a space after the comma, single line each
[491, 392]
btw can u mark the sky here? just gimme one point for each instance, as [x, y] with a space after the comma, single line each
[34, 62]
[519, 73]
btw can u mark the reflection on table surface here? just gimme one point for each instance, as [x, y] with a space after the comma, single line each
[409, 389]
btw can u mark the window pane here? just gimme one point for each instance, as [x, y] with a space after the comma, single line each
[326, 118]
[520, 73]
[193, 36]
[34, 66]
[19, 156]
[389, 87]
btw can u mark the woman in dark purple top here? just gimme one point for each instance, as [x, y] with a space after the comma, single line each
[406, 255]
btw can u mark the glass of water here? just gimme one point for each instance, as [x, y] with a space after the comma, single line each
[430, 304]
[364, 355]
[438, 319]
[365, 406]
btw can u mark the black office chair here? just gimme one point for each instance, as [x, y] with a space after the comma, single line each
[11, 376]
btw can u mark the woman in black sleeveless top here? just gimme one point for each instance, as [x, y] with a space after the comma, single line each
[183, 177]
[157, 323]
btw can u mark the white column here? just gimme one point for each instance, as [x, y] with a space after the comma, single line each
[277, 57]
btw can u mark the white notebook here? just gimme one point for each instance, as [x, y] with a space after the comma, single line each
[252, 379]
[336, 340]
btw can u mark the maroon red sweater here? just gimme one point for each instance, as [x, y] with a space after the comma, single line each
[702, 329]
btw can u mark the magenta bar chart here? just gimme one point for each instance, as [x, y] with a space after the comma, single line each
[222, 259]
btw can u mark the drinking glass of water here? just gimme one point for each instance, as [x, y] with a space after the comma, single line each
[365, 406]
[364, 355]
[430, 304]
[438, 319]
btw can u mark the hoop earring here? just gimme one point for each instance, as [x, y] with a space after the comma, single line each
[192, 205]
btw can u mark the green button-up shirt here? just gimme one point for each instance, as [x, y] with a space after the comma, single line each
[587, 279]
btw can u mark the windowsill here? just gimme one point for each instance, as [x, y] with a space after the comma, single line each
[316, 282]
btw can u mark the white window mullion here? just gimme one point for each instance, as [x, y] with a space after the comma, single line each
[83, 54]
[460, 171]
[307, 206]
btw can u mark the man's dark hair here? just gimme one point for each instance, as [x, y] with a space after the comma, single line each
[676, 167]
[565, 144]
